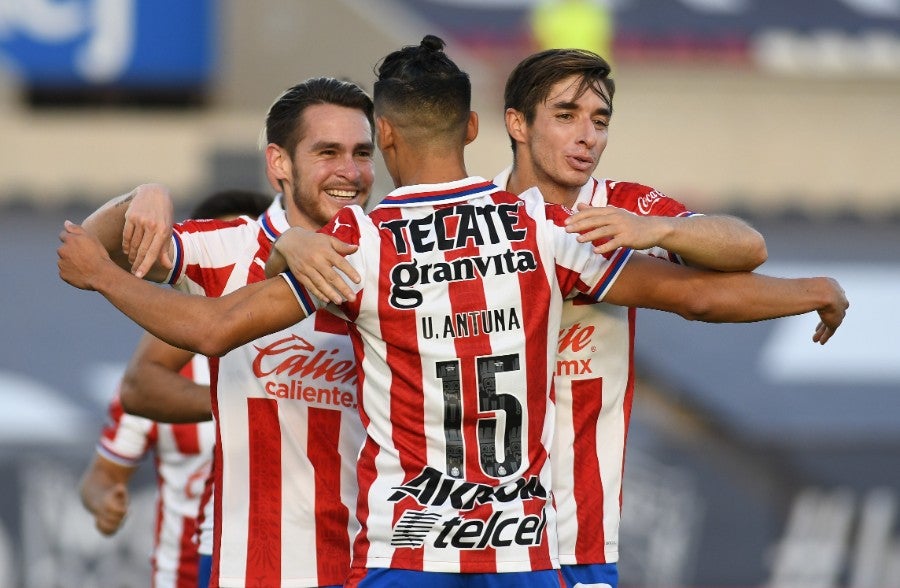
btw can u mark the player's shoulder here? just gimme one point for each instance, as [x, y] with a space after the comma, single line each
[208, 225]
[639, 198]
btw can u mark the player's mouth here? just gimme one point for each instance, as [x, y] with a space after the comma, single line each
[339, 194]
[580, 163]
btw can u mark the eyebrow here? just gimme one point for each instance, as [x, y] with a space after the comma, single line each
[568, 105]
[320, 145]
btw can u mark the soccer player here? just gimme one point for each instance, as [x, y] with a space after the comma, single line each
[183, 452]
[558, 107]
[284, 405]
[455, 322]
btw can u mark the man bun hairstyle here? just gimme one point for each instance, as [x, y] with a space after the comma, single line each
[420, 86]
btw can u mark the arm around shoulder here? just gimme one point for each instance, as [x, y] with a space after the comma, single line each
[154, 388]
[717, 242]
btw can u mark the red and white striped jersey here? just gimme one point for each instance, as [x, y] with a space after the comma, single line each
[594, 385]
[455, 326]
[287, 423]
[205, 530]
[182, 458]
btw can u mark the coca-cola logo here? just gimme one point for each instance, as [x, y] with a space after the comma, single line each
[645, 203]
[294, 356]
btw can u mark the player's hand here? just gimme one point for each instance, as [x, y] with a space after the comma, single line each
[81, 256]
[112, 509]
[148, 226]
[610, 228]
[315, 259]
[832, 314]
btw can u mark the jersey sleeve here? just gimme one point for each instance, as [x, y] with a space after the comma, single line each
[578, 267]
[205, 251]
[125, 438]
[344, 226]
[647, 201]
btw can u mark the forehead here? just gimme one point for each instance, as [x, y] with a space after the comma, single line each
[566, 91]
[334, 124]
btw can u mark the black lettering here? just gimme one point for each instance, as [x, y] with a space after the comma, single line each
[419, 231]
[396, 228]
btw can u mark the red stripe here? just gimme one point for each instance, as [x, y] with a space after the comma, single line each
[264, 524]
[187, 438]
[468, 296]
[587, 400]
[406, 398]
[216, 472]
[332, 517]
[629, 388]
[536, 293]
[188, 560]
[158, 521]
[365, 476]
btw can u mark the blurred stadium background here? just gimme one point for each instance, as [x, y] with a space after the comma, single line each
[755, 457]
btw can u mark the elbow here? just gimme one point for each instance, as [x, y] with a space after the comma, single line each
[212, 347]
[129, 397]
[698, 308]
[755, 254]
[758, 253]
[215, 340]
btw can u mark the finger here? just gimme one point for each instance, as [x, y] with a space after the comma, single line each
[341, 288]
[165, 259]
[346, 268]
[144, 247]
[342, 247]
[319, 288]
[134, 244]
[145, 260]
[127, 235]
[607, 247]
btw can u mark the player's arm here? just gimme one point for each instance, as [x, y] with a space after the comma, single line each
[209, 326]
[134, 228]
[727, 297]
[718, 242]
[104, 492]
[313, 258]
[152, 386]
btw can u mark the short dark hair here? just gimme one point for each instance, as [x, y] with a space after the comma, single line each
[530, 82]
[284, 120]
[232, 203]
[421, 85]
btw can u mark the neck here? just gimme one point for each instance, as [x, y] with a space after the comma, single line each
[295, 218]
[521, 179]
[418, 168]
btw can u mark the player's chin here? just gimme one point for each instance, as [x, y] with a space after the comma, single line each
[573, 178]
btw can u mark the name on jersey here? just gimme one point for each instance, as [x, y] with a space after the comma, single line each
[293, 369]
[433, 488]
[470, 324]
[449, 229]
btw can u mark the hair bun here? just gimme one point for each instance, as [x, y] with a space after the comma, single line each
[432, 43]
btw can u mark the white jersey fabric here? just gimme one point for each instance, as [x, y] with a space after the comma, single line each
[455, 326]
[594, 385]
[182, 455]
[287, 423]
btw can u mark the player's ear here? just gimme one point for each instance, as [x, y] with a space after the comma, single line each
[278, 166]
[472, 127]
[384, 133]
[515, 125]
